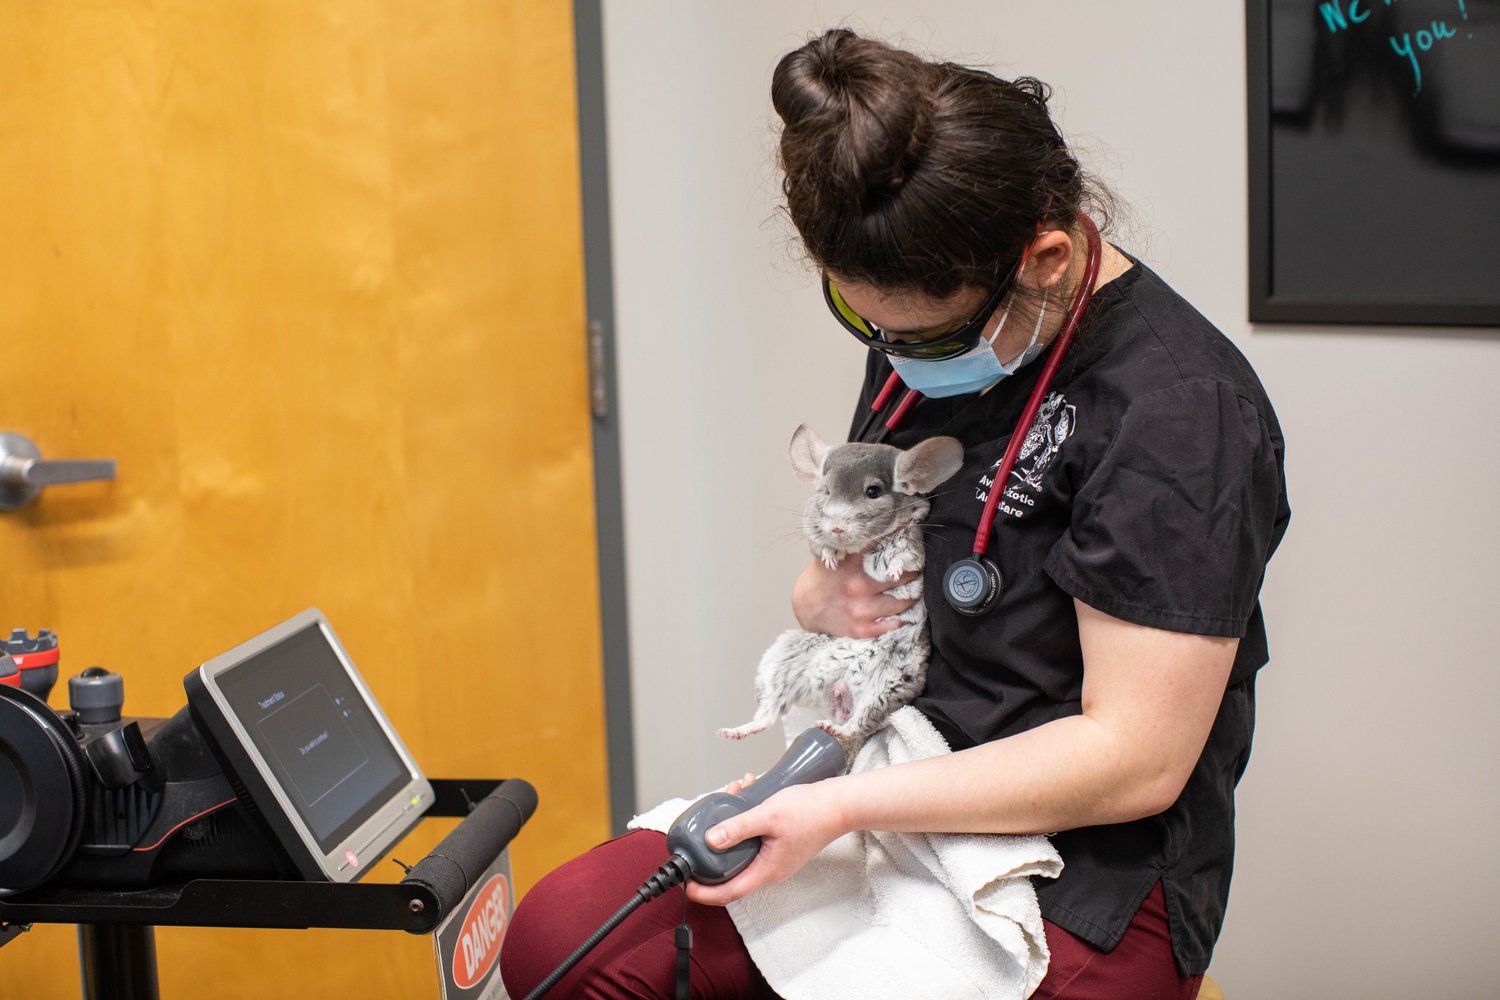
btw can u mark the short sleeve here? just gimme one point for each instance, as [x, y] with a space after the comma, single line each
[1173, 526]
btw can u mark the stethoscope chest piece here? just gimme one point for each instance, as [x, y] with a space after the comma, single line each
[971, 586]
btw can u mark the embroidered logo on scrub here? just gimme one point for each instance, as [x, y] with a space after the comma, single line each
[1054, 423]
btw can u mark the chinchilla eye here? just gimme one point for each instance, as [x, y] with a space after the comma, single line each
[873, 491]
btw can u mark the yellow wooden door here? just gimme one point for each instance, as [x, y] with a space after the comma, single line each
[311, 272]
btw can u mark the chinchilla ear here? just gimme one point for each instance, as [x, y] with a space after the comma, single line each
[922, 467]
[807, 452]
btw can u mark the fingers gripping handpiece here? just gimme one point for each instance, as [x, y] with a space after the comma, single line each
[813, 756]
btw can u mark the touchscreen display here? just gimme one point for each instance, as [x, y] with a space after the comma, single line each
[312, 725]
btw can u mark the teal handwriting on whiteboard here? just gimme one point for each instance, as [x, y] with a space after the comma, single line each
[1424, 42]
[1338, 15]
[1342, 15]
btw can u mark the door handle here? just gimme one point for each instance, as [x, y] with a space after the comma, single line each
[23, 471]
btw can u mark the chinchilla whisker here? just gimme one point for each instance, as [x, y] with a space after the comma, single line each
[925, 498]
[788, 536]
[768, 506]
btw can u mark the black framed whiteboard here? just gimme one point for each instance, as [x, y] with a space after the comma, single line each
[1374, 139]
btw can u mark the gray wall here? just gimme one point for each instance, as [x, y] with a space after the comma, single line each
[1365, 866]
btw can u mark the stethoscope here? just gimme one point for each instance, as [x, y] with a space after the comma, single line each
[971, 585]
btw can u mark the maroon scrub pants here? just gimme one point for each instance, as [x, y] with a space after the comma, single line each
[639, 959]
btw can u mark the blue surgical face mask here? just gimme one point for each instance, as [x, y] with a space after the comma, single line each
[973, 371]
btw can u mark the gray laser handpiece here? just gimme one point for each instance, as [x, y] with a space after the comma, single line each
[813, 756]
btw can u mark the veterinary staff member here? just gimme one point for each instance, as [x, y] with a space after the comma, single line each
[1108, 694]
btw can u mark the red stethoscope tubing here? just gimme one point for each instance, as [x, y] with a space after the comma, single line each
[1038, 393]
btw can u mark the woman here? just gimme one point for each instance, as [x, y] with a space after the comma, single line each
[1107, 694]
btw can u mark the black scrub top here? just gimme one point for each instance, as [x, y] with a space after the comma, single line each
[1150, 487]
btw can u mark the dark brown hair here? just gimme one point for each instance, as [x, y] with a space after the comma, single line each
[913, 175]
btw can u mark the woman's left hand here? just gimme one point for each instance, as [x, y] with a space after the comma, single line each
[793, 825]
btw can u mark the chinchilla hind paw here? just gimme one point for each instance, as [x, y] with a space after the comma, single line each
[748, 729]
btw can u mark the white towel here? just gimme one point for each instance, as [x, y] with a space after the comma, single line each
[917, 916]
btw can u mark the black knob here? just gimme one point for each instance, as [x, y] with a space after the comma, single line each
[97, 695]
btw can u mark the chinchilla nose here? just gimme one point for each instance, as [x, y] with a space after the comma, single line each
[837, 529]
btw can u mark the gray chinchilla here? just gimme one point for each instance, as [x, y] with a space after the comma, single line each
[867, 498]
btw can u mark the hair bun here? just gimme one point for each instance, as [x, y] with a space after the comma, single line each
[858, 116]
[910, 175]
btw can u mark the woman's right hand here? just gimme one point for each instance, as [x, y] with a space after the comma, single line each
[844, 601]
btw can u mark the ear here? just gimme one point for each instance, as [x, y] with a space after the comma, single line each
[1051, 254]
[923, 467]
[807, 452]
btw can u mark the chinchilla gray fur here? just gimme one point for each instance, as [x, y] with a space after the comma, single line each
[867, 498]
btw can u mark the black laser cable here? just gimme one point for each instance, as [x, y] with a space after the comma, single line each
[684, 960]
[673, 873]
[684, 940]
[813, 756]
